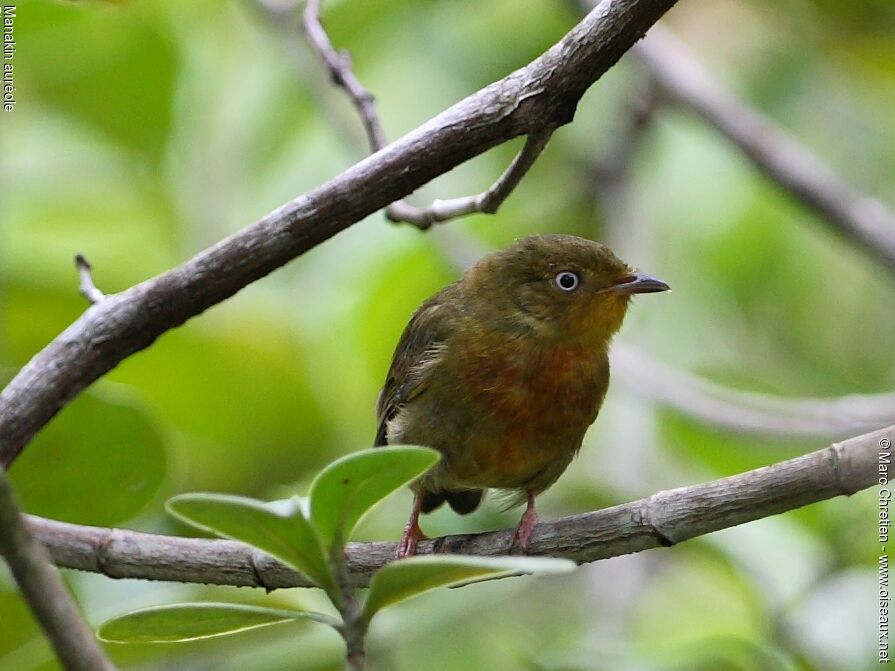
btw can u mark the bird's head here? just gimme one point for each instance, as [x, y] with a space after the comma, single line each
[561, 286]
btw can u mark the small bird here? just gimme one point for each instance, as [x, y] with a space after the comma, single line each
[504, 370]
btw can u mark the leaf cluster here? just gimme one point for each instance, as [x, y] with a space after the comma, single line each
[309, 534]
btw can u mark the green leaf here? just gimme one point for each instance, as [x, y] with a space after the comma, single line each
[279, 528]
[192, 621]
[346, 489]
[229, 404]
[406, 578]
[99, 462]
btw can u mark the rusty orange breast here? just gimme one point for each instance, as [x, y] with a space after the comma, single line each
[538, 403]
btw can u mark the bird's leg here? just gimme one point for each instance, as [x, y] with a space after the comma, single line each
[526, 525]
[412, 532]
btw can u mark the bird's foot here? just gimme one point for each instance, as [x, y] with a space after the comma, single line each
[412, 532]
[522, 537]
[409, 539]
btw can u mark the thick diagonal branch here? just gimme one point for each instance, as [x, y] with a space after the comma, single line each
[663, 519]
[681, 78]
[43, 590]
[338, 64]
[543, 94]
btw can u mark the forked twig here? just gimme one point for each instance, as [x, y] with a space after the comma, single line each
[338, 64]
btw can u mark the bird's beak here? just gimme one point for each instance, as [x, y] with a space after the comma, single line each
[639, 283]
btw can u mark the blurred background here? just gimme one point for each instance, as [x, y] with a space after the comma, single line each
[146, 131]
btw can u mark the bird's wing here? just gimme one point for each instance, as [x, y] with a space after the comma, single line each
[422, 343]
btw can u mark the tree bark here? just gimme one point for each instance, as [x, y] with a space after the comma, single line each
[663, 519]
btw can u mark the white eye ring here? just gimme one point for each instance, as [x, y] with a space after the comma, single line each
[567, 280]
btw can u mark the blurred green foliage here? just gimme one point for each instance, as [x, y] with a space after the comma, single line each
[146, 131]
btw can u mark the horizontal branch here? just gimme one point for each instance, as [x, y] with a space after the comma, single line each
[663, 519]
[745, 411]
[681, 78]
[543, 94]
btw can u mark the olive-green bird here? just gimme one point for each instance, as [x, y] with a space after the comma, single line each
[503, 371]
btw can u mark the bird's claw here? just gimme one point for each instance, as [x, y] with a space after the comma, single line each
[409, 540]
[522, 536]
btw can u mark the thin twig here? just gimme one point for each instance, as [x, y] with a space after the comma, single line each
[487, 202]
[88, 288]
[745, 411]
[338, 64]
[281, 18]
[342, 75]
[773, 151]
[43, 590]
[663, 519]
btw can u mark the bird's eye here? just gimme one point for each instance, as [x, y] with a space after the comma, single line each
[567, 280]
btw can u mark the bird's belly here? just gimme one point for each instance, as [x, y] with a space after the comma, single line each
[513, 460]
[533, 418]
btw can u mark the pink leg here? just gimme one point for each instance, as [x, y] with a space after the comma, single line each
[412, 532]
[526, 525]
